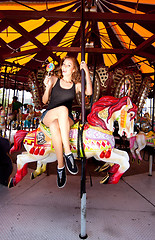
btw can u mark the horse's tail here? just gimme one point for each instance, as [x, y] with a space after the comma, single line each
[18, 140]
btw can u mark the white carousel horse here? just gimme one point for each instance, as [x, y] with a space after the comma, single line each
[10, 115]
[28, 118]
[139, 141]
[98, 140]
[144, 123]
[2, 119]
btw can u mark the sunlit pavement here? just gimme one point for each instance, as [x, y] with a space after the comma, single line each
[37, 209]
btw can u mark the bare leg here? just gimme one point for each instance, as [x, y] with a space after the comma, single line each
[64, 121]
[59, 123]
[57, 142]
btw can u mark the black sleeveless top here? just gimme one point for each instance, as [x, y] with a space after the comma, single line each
[61, 96]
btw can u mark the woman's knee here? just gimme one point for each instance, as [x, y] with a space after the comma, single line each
[63, 110]
[54, 115]
[54, 124]
[54, 127]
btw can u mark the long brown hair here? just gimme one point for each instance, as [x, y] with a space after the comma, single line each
[76, 75]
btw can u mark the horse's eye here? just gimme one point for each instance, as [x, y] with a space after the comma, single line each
[131, 115]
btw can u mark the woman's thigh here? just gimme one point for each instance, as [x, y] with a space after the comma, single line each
[55, 114]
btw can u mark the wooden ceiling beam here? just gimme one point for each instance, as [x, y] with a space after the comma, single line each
[17, 43]
[6, 63]
[150, 57]
[89, 50]
[77, 50]
[75, 16]
[2, 43]
[25, 34]
[19, 54]
[67, 49]
[141, 46]
[146, 43]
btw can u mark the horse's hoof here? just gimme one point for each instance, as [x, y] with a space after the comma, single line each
[104, 167]
[97, 169]
[43, 168]
[139, 161]
[105, 179]
[32, 176]
[133, 160]
[10, 184]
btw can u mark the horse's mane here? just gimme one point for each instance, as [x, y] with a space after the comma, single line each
[113, 103]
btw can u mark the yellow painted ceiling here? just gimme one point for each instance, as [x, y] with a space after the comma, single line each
[9, 34]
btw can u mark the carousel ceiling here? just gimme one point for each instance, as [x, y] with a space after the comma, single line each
[118, 33]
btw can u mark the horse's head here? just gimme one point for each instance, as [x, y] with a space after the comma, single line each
[125, 118]
[108, 108]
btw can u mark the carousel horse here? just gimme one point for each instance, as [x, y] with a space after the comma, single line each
[29, 117]
[139, 141]
[10, 115]
[2, 119]
[15, 120]
[98, 140]
[144, 123]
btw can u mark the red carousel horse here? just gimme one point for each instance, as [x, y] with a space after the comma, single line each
[98, 139]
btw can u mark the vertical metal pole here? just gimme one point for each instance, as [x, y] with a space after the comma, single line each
[153, 100]
[7, 127]
[150, 164]
[6, 94]
[15, 86]
[23, 95]
[83, 234]
[22, 108]
[83, 58]
[4, 84]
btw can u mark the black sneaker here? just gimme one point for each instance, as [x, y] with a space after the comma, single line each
[61, 177]
[70, 163]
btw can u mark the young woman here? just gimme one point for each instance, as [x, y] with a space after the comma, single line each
[59, 93]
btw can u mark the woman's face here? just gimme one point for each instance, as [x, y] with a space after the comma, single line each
[67, 67]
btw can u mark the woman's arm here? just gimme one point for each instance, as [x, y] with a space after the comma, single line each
[48, 82]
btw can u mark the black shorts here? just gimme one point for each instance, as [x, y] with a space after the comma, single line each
[44, 113]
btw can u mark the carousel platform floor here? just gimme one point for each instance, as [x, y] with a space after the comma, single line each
[38, 210]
